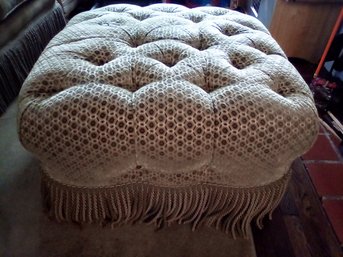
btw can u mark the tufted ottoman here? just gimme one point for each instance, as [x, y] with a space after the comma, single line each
[165, 114]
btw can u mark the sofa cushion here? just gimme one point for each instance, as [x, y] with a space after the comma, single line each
[68, 5]
[22, 16]
[7, 6]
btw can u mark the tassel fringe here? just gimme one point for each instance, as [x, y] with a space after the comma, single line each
[225, 208]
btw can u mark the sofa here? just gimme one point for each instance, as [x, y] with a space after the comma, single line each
[26, 26]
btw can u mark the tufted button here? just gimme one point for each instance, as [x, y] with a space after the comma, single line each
[170, 8]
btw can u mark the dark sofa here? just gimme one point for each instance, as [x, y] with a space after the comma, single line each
[26, 26]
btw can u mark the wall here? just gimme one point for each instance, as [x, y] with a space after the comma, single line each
[303, 29]
[265, 12]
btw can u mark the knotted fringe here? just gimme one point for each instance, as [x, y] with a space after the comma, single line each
[225, 208]
[18, 57]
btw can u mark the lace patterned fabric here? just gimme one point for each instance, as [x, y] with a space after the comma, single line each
[165, 96]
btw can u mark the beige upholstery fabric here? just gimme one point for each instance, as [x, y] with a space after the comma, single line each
[164, 113]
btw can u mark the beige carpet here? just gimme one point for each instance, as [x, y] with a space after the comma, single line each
[26, 231]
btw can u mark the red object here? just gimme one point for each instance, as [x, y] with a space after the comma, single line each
[334, 209]
[327, 178]
[324, 83]
[332, 36]
[321, 150]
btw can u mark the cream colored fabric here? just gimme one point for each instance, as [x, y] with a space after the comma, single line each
[166, 96]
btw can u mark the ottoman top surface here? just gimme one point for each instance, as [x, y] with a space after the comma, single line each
[168, 89]
[207, 46]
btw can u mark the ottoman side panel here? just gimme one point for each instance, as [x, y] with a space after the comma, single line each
[73, 116]
[83, 135]
[260, 133]
[174, 127]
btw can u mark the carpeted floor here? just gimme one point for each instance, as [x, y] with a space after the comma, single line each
[26, 231]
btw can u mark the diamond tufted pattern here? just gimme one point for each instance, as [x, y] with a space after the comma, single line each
[165, 95]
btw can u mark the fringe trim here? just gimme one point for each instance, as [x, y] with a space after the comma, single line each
[228, 209]
[19, 55]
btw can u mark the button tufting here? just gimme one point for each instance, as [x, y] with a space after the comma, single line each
[165, 114]
[168, 88]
